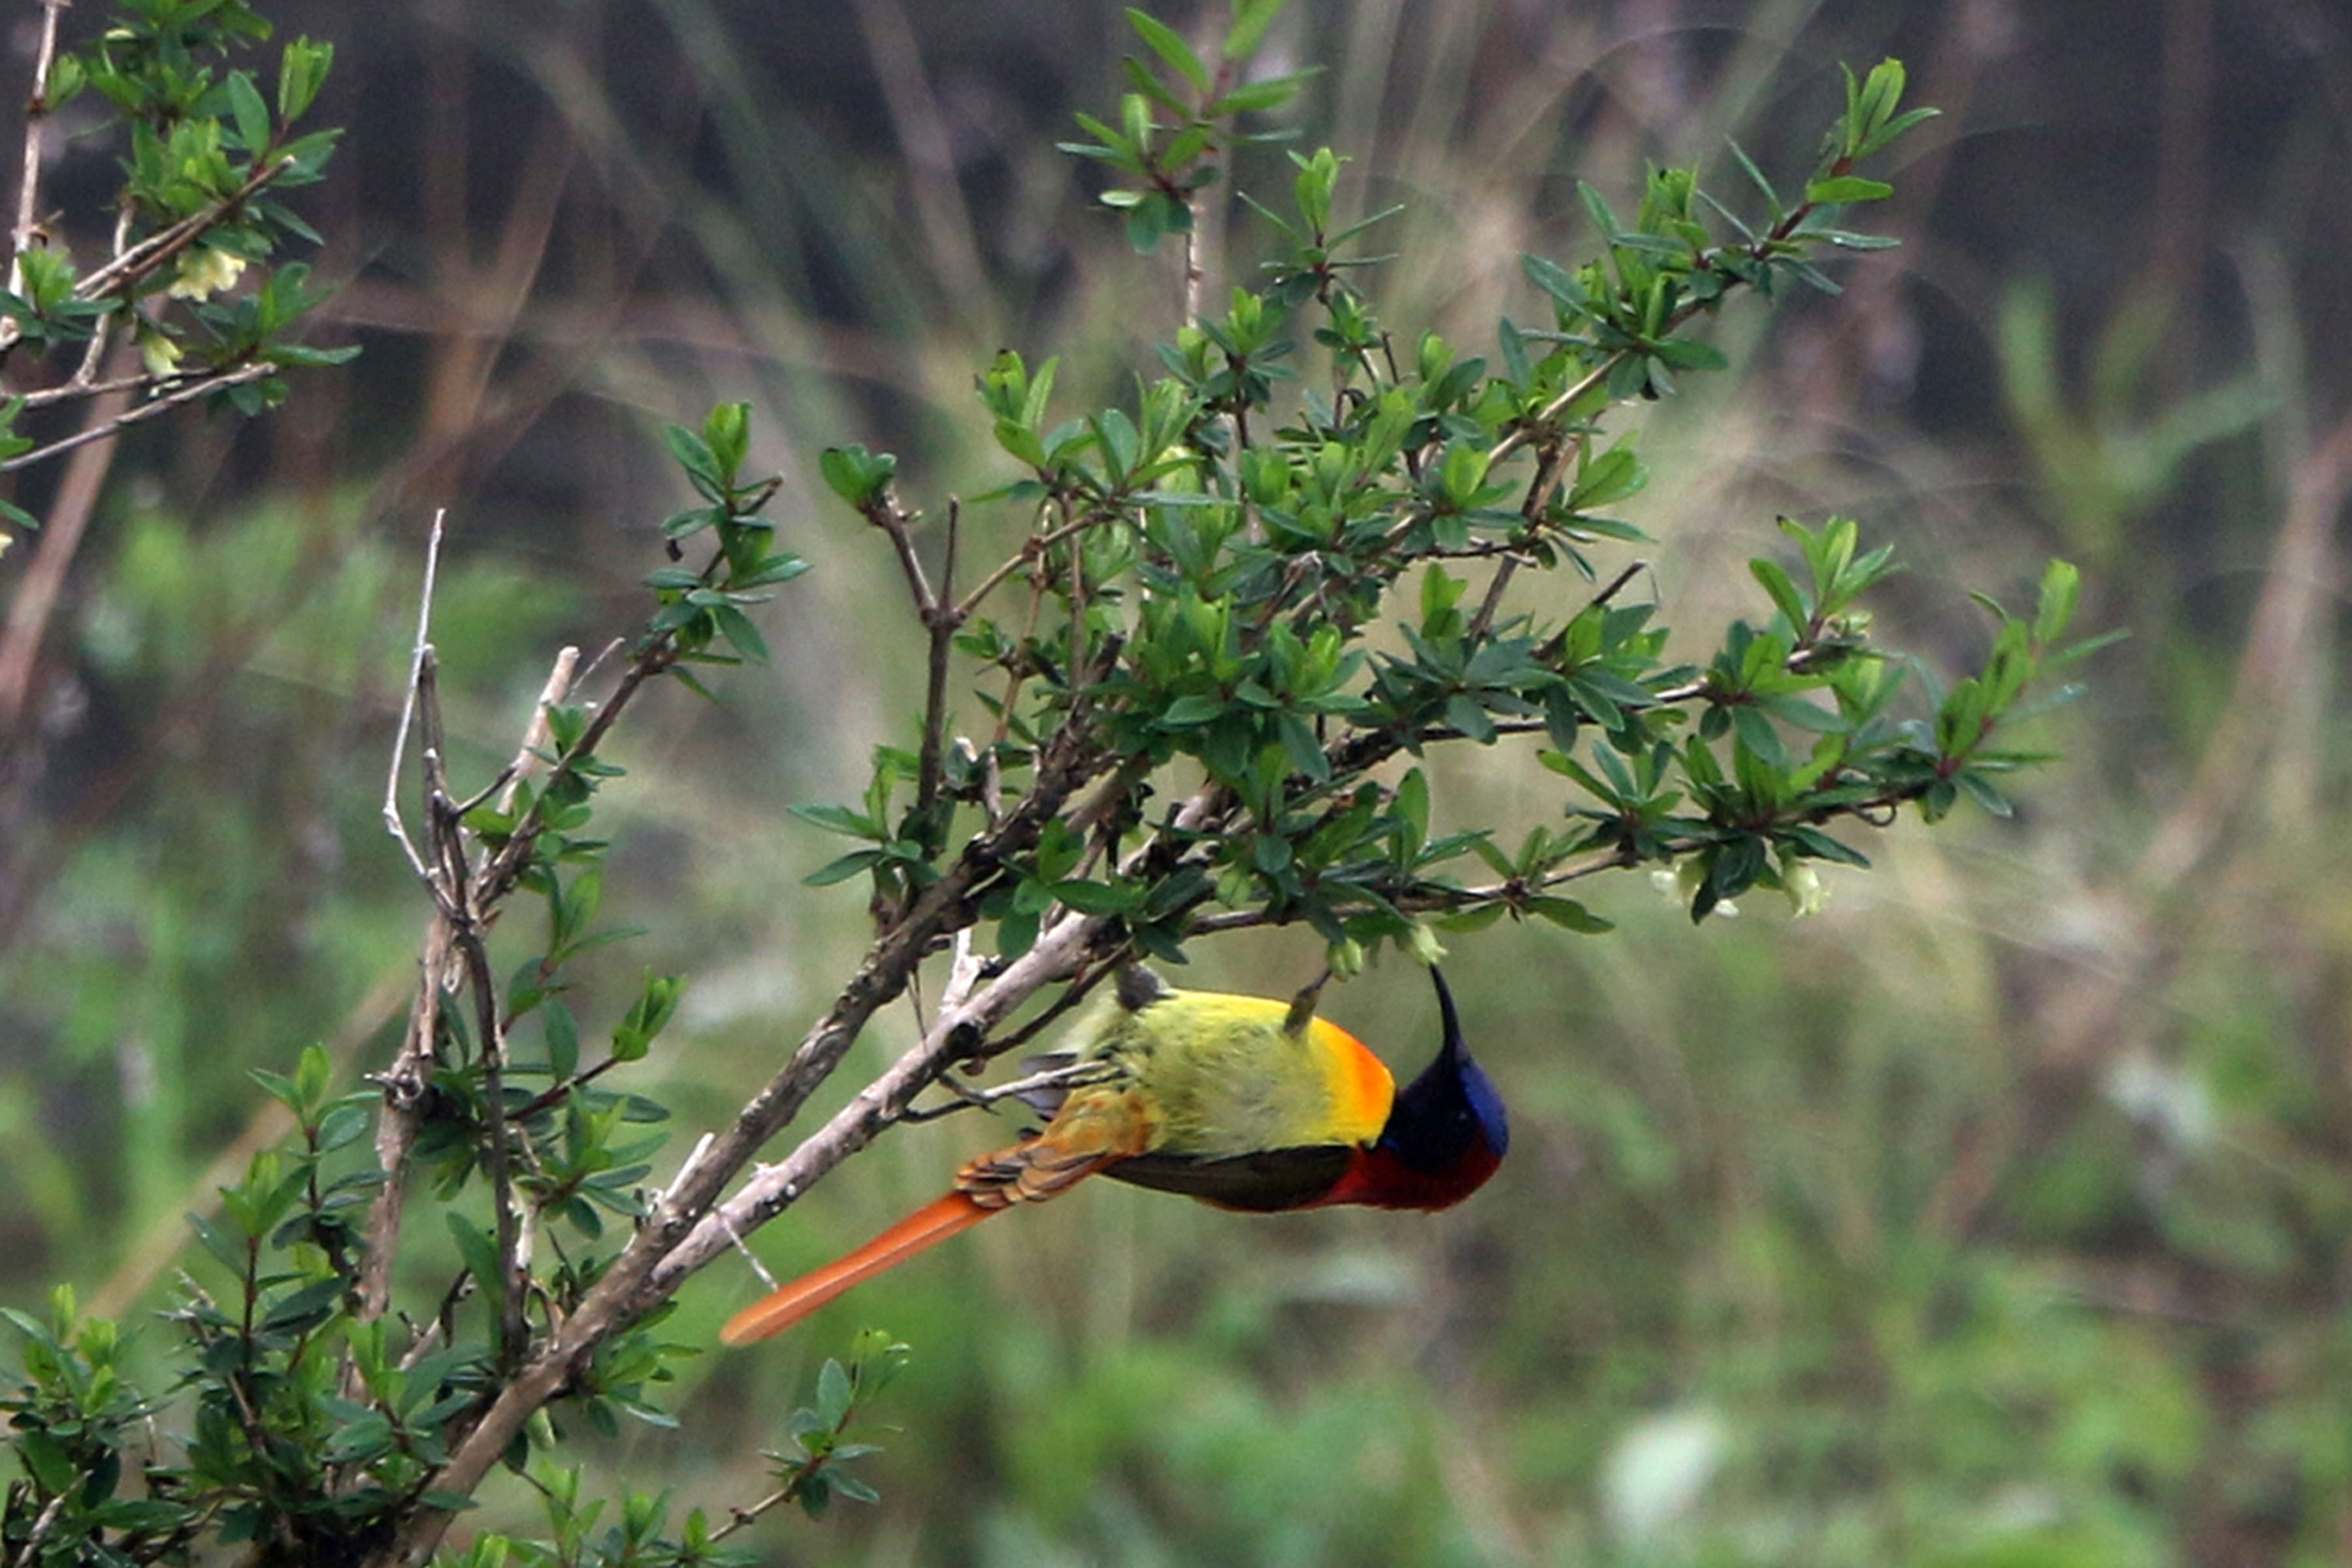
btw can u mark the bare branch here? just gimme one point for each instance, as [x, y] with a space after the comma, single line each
[942, 624]
[490, 1031]
[72, 390]
[258, 370]
[1055, 955]
[26, 233]
[535, 738]
[1033, 546]
[422, 650]
[1067, 1075]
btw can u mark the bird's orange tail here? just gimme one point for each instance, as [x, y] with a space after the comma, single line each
[926, 1227]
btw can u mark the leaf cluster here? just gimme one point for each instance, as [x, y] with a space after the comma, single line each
[1161, 166]
[194, 275]
[317, 1423]
[1210, 569]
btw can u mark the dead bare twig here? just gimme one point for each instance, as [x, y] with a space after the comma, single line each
[26, 232]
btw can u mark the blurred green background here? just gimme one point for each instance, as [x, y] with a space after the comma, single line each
[2001, 1215]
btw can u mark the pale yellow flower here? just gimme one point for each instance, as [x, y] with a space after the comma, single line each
[159, 353]
[1806, 892]
[205, 272]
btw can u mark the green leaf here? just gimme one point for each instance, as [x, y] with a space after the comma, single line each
[562, 1038]
[833, 1394]
[839, 819]
[1568, 915]
[252, 115]
[693, 455]
[1687, 354]
[1555, 280]
[1465, 715]
[1186, 712]
[1256, 96]
[1251, 19]
[728, 433]
[1757, 732]
[1783, 591]
[2062, 590]
[479, 1252]
[856, 475]
[1165, 42]
[219, 1243]
[842, 869]
[1597, 206]
[307, 1308]
[737, 628]
[1096, 898]
[301, 72]
[53, 1470]
[1845, 188]
[1978, 788]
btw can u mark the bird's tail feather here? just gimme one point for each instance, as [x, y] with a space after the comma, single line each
[926, 1227]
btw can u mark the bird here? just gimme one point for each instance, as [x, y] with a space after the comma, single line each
[1249, 1103]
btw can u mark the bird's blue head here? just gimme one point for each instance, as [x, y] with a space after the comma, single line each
[1445, 1132]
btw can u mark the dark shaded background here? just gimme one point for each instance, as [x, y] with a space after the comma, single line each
[1999, 1214]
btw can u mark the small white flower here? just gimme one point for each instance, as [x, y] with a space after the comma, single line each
[1679, 886]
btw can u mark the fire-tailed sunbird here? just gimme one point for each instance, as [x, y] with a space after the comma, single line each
[1241, 1101]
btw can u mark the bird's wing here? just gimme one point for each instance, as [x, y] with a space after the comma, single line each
[1262, 1183]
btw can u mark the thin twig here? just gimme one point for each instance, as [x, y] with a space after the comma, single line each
[421, 651]
[1068, 1076]
[72, 390]
[257, 370]
[737, 1517]
[102, 329]
[884, 513]
[46, 1521]
[1035, 545]
[36, 118]
[942, 624]
[1518, 434]
[1550, 459]
[1484, 621]
[513, 1268]
[535, 736]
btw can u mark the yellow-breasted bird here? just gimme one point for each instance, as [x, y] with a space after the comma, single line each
[1241, 1101]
